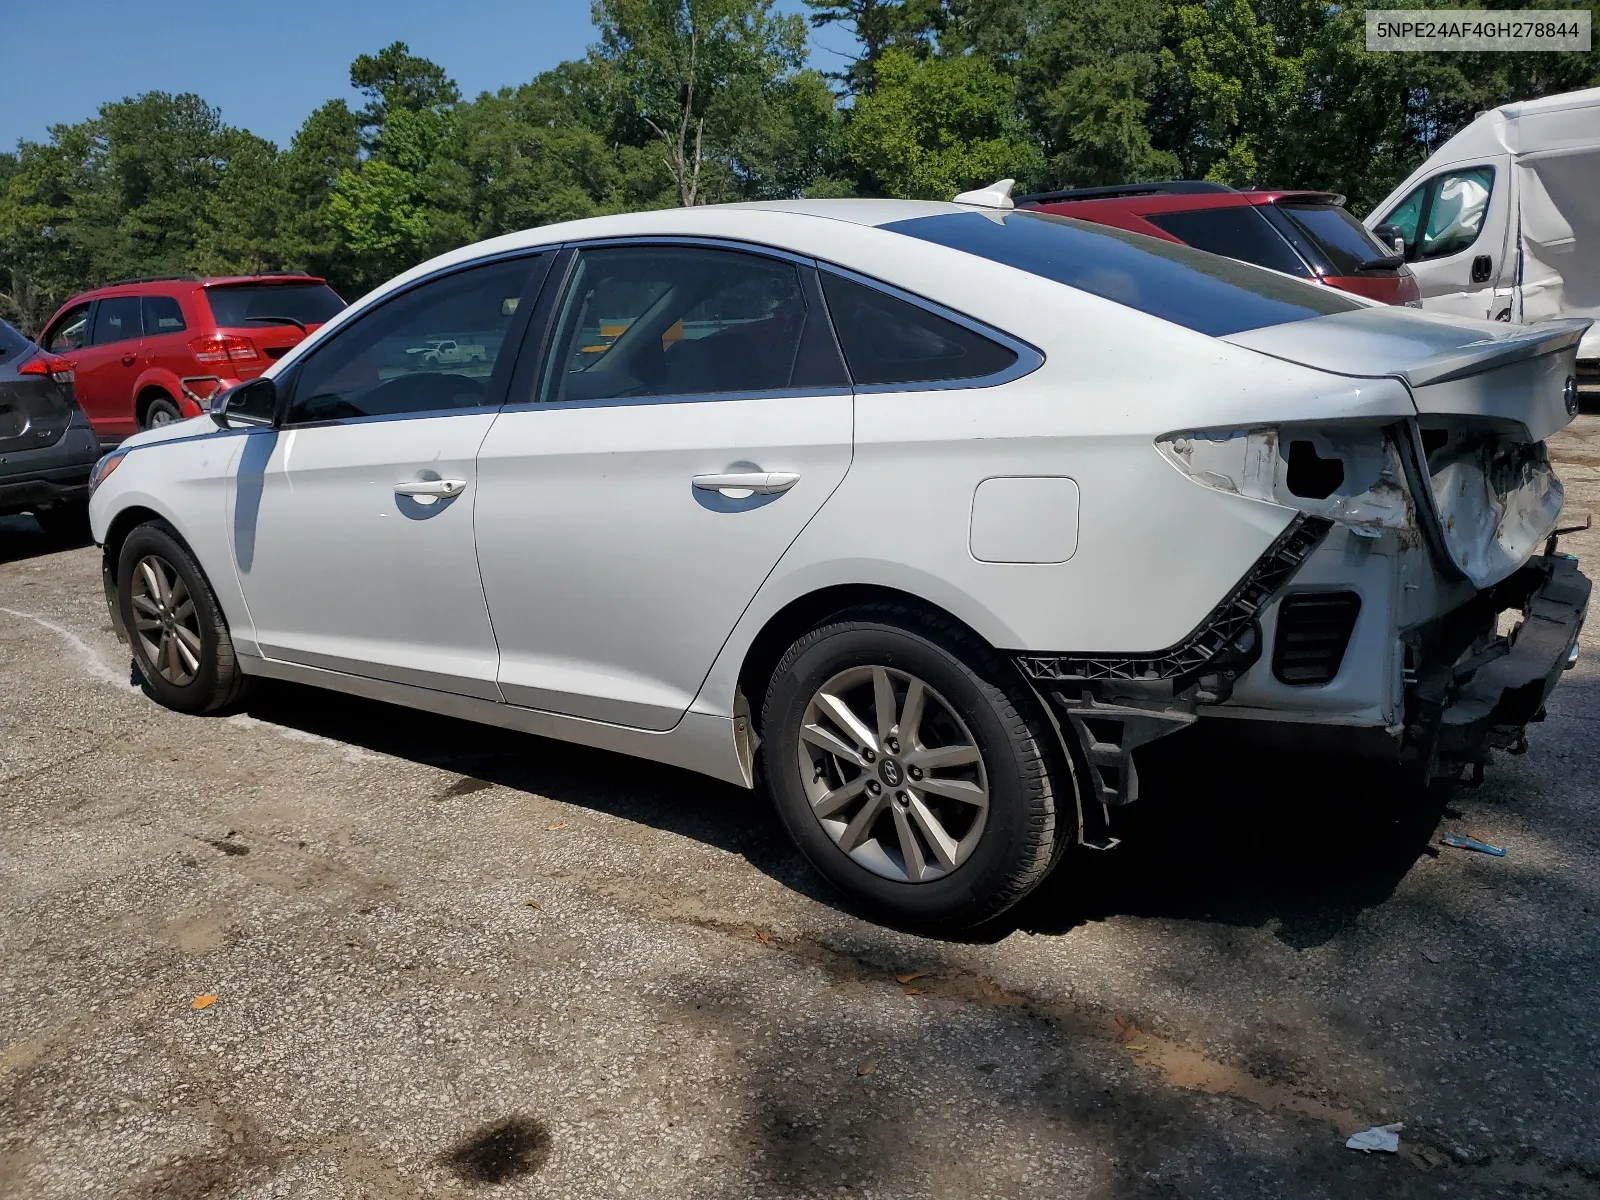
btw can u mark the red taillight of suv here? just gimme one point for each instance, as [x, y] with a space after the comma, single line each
[222, 348]
[59, 369]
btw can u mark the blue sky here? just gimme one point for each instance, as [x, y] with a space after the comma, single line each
[269, 63]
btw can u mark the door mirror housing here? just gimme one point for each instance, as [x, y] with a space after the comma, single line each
[1392, 236]
[253, 402]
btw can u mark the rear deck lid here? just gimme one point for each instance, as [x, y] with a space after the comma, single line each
[1454, 366]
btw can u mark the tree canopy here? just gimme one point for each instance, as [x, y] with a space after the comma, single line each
[703, 101]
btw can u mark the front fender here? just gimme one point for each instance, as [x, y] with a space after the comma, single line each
[186, 481]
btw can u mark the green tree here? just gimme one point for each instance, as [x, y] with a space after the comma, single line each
[1229, 88]
[879, 25]
[936, 126]
[694, 77]
[394, 78]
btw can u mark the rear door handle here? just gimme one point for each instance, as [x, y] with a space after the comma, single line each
[431, 489]
[738, 484]
[129, 359]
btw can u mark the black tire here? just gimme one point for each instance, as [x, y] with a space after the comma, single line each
[1028, 812]
[161, 411]
[65, 523]
[217, 680]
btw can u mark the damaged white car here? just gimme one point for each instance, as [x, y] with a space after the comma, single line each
[924, 515]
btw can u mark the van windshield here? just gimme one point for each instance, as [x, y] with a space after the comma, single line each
[1200, 291]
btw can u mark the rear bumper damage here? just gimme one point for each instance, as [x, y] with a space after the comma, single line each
[1461, 687]
[1475, 689]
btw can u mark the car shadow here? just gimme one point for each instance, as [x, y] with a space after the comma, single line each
[1219, 835]
[21, 537]
[662, 797]
[1226, 835]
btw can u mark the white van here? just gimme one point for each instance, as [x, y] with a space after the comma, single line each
[1503, 221]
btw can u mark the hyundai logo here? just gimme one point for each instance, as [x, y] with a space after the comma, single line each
[1570, 395]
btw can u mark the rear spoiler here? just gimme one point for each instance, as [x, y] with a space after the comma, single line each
[1419, 347]
[1436, 354]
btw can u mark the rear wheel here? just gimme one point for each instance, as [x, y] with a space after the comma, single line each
[907, 764]
[163, 410]
[179, 637]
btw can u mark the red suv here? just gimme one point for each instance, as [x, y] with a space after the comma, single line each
[149, 351]
[1308, 234]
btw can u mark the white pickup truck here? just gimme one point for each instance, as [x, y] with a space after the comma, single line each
[446, 352]
[1503, 221]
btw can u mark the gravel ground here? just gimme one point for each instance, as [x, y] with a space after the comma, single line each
[449, 960]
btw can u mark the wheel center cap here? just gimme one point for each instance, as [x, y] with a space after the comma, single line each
[891, 772]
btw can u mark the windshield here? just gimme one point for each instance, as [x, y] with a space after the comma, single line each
[1342, 238]
[1200, 291]
[247, 305]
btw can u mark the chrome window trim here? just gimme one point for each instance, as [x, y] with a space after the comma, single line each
[1029, 358]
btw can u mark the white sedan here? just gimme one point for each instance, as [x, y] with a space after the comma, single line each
[928, 515]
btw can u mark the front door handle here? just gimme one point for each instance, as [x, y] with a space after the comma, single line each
[431, 489]
[739, 484]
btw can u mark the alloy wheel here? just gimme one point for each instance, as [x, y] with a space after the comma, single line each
[165, 620]
[893, 774]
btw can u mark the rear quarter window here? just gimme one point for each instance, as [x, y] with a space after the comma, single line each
[1345, 240]
[1199, 291]
[1238, 232]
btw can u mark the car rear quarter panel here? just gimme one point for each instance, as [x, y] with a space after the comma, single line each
[1155, 551]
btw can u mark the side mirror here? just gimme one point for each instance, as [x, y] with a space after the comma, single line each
[1393, 237]
[253, 402]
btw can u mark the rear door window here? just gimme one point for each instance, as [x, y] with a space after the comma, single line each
[1343, 239]
[888, 340]
[70, 332]
[116, 320]
[639, 322]
[1200, 291]
[1237, 232]
[162, 315]
[252, 305]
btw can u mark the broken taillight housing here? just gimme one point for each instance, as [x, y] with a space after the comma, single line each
[1349, 472]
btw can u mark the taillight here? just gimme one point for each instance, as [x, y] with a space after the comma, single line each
[52, 365]
[223, 348]
[1346, 471]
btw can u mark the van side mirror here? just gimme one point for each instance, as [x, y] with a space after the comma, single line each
[1392, 236]
[253, 402]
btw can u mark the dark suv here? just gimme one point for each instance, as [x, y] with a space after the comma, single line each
[149, 351]
[1308, 234]
[46, 445]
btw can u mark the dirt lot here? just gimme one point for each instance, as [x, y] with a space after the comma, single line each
[450, 960]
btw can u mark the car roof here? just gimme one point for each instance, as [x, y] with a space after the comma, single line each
[762, 221]
[155, 283]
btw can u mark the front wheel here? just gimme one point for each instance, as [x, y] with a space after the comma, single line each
[180, 640]
[907, 763]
